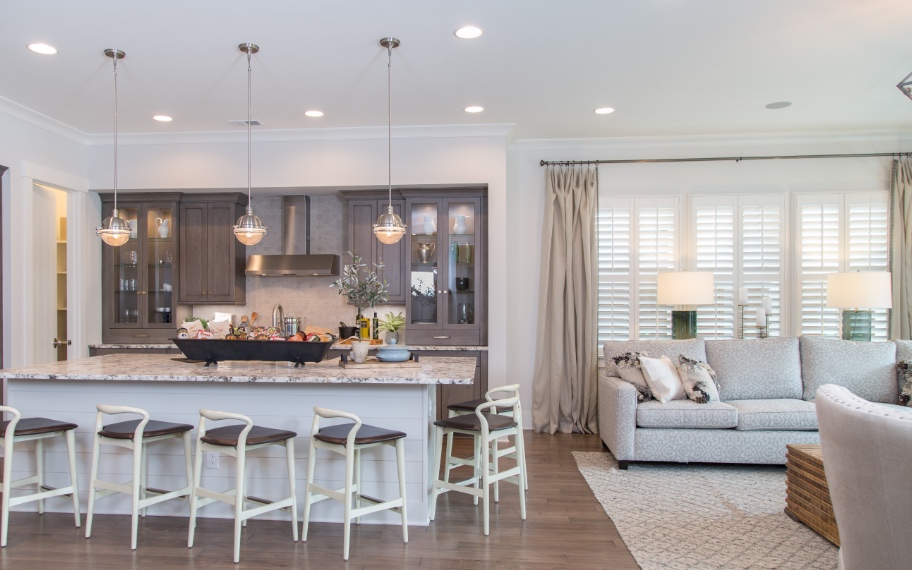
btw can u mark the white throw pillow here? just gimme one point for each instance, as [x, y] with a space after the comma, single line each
[663, 379]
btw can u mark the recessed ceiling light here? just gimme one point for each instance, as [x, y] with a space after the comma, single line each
[162, 118]
[468, 32]
[604, 111]
[313, 113]
[474, 109]
[779, 105]
[43, 49]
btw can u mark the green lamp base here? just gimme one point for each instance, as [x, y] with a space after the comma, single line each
[683, 324]
[856, 325]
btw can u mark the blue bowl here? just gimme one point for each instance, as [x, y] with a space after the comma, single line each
[393, 353]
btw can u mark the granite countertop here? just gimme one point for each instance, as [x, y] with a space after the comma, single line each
[163, 368]
[335, 347]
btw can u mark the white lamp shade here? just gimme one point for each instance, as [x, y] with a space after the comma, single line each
[860, 290]
[686, 288]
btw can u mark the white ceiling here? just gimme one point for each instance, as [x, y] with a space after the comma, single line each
[669, 67]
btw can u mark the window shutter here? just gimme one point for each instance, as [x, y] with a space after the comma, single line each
[869, 246]
[656, 237]
[820, 221]
[762, 269]
[614, 259]
[714, 251]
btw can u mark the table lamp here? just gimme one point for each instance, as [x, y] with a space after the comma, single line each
[856, 294]
[684, 290]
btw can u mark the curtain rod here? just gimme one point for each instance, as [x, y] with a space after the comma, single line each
[720, 158]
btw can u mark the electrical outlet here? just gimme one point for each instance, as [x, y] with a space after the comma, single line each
[212, 459]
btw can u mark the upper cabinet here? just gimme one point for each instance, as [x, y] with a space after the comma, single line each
[212, 260]
[363, 210]
[446, 246]
[139, 281]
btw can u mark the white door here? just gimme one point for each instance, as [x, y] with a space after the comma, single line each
[49, 267]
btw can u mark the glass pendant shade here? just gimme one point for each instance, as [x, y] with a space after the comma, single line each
[249, 229]
[389, 228]
[114, 230]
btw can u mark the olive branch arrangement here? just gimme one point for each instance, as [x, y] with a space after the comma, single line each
[362, 286]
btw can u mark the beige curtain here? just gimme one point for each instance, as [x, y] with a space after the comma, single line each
[566, 353]
[901, 323]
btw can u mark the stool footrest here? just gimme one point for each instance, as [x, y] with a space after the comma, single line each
[64, 491]
[269, 506]
[261, 501]
[51, 492]
[24, 481]
[162, 496]
[394, 505]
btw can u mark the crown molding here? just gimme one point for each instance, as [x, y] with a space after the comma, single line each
[42, 121]
[882, 136]
[289, 135]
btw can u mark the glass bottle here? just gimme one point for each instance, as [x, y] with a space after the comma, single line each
[375, 328]
[364, 326]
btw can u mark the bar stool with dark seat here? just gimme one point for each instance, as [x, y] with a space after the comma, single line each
[485, 427]
[235, 441]
[18, 430]
[348, 440]
[135, 435]
[515, 452]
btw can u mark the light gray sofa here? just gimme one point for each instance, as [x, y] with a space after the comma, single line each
[767, 389]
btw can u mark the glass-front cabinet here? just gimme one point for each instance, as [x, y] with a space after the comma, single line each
[446, 249]
[139, 278]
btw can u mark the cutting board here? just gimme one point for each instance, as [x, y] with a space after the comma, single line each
[373, 363]
[347, 342]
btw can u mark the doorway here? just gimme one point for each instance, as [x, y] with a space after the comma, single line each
[51, 322]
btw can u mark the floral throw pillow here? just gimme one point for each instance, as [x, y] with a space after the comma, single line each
[905, 375]
[699, 380]
[629, 369]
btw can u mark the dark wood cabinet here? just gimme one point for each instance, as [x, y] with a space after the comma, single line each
[139, 280]
[363, 209]
[446, 250]
[213, 261]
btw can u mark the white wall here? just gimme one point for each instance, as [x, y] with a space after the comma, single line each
[47, 152]
[525, 195]
[335, 163]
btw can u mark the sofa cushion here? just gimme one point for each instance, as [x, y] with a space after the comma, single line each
[780, 414]
[867, 369]
[903, 350]
[686, 414]
[691, 348]
[756, 369]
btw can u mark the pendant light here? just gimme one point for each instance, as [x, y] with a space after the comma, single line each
[249, 230]
[389, 227]
[115, 230]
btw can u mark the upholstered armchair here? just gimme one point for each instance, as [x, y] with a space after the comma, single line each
[867, 457]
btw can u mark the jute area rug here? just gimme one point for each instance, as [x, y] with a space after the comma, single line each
[703, 516]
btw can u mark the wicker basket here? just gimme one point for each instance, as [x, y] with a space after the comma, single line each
[807, 497]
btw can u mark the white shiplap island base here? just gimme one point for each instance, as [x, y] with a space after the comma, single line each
[273, 394]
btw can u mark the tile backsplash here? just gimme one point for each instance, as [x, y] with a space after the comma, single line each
[309, 297]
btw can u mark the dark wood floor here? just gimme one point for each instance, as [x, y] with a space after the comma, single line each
[565, 527]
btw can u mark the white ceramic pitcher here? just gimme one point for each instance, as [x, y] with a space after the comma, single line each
[164, 227]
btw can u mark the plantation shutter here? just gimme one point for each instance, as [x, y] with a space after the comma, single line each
[637, 239]
[820, 220]
[714, 250]
[762, 270]
[869, 245]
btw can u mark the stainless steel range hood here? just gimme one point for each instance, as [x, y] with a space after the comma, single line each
[296, 260]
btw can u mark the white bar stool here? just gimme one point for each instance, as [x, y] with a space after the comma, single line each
[18, 430]
[235, 441]
[516, 452]
[348, 440]
[486, 427]
[134, 435]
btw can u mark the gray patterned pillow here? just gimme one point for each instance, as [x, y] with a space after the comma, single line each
[628, 368]
[905, 374]
[699, 380]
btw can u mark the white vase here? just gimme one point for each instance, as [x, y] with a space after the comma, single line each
[430, 226]
[164, 227]
[459, 226]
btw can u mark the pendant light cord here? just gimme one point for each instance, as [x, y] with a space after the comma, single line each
[115, 129]
[389, 122]
[249, 132]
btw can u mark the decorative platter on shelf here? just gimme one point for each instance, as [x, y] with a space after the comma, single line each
[213, 351]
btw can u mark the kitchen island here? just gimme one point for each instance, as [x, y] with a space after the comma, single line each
[272, 394]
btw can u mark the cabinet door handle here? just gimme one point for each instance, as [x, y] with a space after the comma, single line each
[59, 343]
[441, 337]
